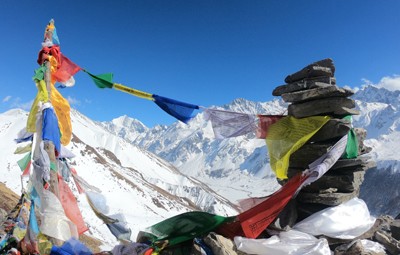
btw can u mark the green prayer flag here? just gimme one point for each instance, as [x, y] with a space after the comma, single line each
[23, 163]
[183, 227]
[102, 80]
[39, 73]
[351, 150]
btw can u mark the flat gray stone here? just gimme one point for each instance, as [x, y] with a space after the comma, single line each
[348, 182]
[338, 106]
[311, 83]
[334, 128]
[362, 161]
[331, 199]
[392, 245]
[316, 93]
[355, 248]
[322, 67]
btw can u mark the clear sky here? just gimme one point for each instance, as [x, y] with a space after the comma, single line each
[204, 52]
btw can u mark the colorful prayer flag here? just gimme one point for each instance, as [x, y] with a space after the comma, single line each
[288, 135]
[102, 80]
[70, 206]
[183, 227]
[66, 69]
[227, 124]
[25, 163]
[264, 122]
[256, 220]
[180, 110]
[50, 129]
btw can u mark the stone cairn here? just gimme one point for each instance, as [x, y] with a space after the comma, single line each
[312, 91]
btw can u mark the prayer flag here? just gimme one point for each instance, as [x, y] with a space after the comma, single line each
[180, 110]
[62, 109]
[352, 145]
[321, 165]
[23, 149]
[70, 206]
[50, 129]
[264, 122]
[183, 227]
[66, 69]
[256, 219]
[102, 80]
[29, 243]
[227, 124]
[25, 163]
[288, 135]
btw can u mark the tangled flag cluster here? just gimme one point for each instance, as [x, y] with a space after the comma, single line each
[45, 162]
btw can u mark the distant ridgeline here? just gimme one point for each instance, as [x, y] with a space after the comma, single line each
[316, 136]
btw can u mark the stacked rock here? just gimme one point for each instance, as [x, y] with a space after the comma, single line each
[312, 91]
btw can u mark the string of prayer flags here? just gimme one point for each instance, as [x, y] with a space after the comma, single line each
[227, 124]
[288, 135]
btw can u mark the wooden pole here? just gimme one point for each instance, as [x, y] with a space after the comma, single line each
[48, 145]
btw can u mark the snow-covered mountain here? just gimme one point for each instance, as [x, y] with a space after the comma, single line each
[236, 168]
[150, 174]
[135, 182]
[239, 167]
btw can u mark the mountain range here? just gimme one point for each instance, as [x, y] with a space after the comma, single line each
[150, 174]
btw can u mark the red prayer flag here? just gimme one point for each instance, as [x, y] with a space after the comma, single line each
[70, 206]
[257, 219]
[66, 69]
[264, 122]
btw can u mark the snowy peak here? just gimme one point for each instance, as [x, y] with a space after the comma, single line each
[371, 93]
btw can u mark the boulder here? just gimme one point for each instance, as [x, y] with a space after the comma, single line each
[360, 247]
[336, 106]
[221, 245]
[322, 67]
[316, 93]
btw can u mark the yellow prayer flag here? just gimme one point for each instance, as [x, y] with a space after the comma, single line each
[134, 92]
[288, 135]
[62, 110]
[41, 96]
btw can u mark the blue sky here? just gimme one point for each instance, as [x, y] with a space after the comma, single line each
[203, 52]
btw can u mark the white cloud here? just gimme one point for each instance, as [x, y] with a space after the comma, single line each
[390, 82]
[6, 99]
[73, 101]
